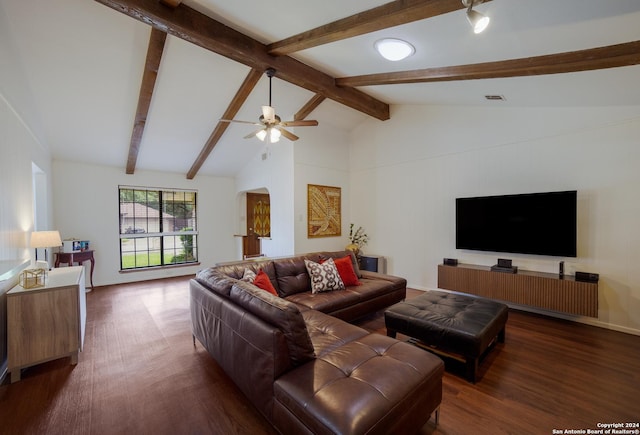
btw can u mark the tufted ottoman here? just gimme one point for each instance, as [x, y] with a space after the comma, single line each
[464, 325]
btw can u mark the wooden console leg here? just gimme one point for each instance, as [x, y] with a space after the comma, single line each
[391, 333]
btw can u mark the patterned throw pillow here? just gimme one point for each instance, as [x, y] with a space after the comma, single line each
[248, 276]
[324, 277]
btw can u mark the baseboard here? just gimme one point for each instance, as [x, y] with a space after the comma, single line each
[578, 319]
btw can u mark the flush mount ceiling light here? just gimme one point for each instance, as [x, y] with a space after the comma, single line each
[394, 49]
[478, 21]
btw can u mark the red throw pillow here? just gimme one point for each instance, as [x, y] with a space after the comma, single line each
[262, 281]
[345, 270]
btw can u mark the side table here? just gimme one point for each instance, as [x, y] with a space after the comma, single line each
[76, 257]
[46, 323]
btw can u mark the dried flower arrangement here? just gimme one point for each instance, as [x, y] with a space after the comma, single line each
[359, 237]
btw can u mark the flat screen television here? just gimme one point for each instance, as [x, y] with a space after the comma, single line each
[533, 223]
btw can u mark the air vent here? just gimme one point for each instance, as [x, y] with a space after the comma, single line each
[495, 97]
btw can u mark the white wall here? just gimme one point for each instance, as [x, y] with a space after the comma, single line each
[86, 207]
[284, 169]
[322, 157]
[407, 172]
[19, 148]
[271, 168]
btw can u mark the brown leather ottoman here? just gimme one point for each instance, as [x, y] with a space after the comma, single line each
[464, 325]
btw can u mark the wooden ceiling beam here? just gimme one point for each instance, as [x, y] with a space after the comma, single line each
[238, 100]
[171, 3]
[388, 15]
[151, 66]
[612, 56]
[197, 28]
[309, 107]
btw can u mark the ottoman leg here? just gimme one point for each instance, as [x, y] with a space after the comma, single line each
[502, 335]
[472, 369]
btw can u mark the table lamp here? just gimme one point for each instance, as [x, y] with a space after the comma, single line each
[44, 239]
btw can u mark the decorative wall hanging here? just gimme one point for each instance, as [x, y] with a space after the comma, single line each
[324, 216]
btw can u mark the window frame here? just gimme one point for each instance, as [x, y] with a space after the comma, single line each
[162, 236]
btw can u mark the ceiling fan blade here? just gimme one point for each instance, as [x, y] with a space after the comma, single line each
[250, 135]
[240, 122]
[269, 113]
[301, 123]
[288, 134]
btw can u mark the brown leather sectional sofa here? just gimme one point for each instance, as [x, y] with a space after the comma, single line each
[306, 370]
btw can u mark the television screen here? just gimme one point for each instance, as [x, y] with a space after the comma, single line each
[534, 223]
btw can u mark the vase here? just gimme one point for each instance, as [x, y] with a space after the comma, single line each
[353, 248]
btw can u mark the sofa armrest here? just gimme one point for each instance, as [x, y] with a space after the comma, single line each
[280, 313]
[252, 352]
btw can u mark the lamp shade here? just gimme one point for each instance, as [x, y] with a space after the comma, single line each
[274, 135]
[45, 239]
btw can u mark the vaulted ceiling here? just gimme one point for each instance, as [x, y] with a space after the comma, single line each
[142, 84]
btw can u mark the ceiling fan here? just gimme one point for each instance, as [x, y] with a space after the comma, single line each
[271, 126]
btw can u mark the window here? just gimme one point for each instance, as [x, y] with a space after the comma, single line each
[157, 227]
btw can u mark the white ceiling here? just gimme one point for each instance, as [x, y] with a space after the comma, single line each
[80, 65]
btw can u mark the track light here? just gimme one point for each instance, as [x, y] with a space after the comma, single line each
[478, 21]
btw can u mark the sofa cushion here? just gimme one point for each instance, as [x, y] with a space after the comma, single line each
[364, 386]
[292, 276]
[371, 288]
[328, 333]
[324, 277]
[280, 313]
[326, 302]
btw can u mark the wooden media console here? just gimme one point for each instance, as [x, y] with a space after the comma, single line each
[537, 289]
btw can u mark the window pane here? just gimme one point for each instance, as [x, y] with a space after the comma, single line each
[180, 249]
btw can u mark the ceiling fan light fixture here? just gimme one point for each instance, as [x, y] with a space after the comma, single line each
[271, 126]
[262, 134]
[268, 112]
[394, 49]
[274, 135]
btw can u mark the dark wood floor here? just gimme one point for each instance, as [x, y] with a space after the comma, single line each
[139, 373]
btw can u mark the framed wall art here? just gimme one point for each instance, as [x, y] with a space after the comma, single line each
[324, 215]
